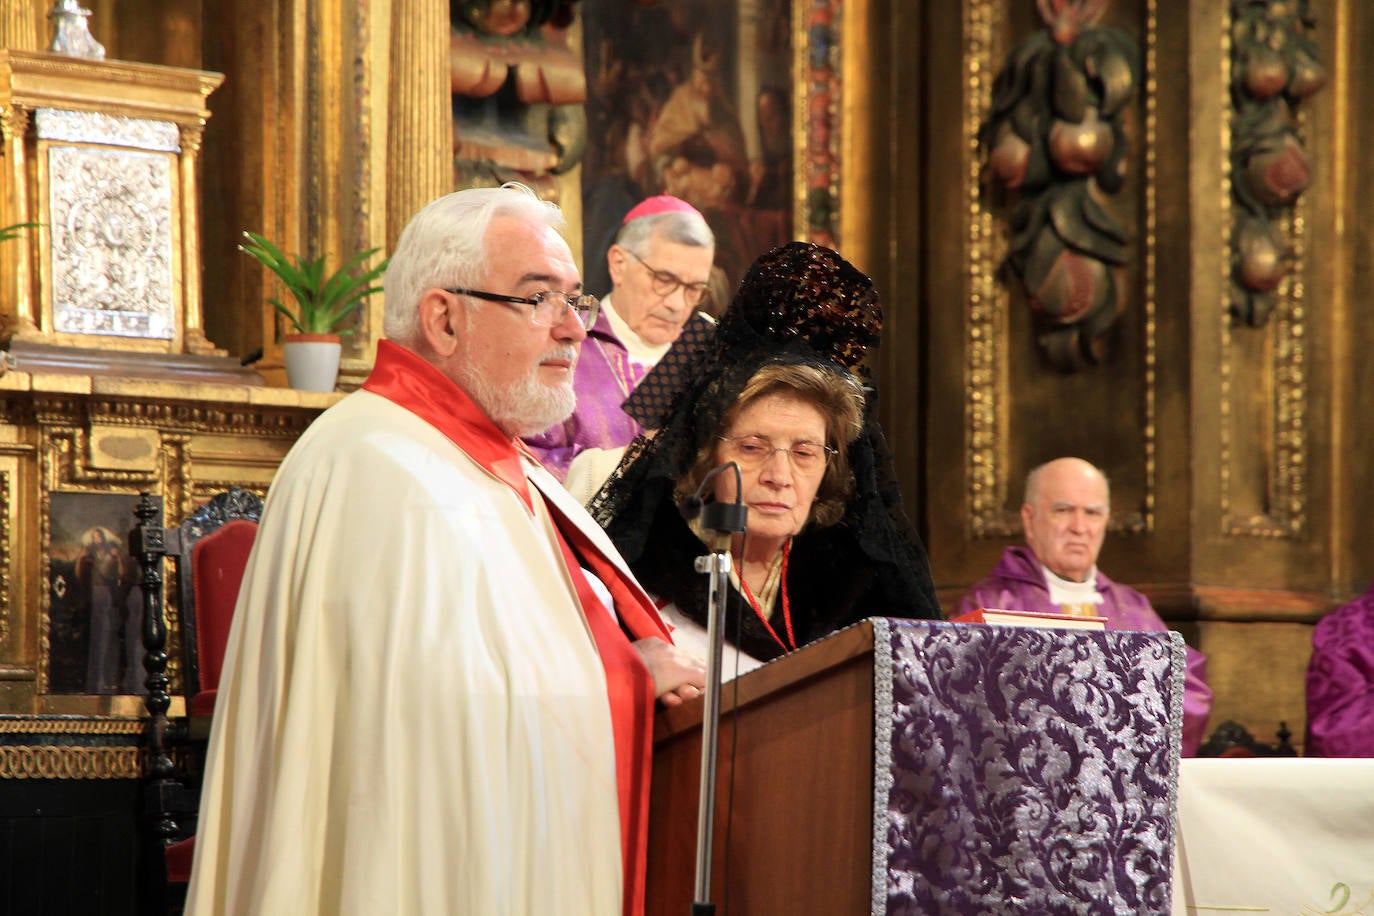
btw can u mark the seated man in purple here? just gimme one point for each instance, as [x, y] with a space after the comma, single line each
[1065, 519]
[1340, 682]
[659, 265]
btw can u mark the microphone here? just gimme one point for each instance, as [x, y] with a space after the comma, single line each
[691, 505]
[718, 519]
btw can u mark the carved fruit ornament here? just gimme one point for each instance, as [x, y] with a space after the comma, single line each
[1055, 147]
[1273, 68]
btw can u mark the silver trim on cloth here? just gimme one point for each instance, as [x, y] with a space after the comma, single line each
[882, 760]
[1178, 666]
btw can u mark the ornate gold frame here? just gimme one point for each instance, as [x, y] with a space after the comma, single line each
[818, 127]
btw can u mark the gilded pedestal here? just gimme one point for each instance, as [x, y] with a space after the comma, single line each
[101, 155]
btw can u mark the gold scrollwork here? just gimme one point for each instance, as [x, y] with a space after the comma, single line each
[986, 346]
[30, 762]
[27, 725]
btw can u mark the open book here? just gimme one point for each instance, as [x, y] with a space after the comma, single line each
[1002, 618]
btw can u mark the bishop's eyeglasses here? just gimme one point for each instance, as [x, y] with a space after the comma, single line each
[664, 283]
[550, 307]
[755, 451]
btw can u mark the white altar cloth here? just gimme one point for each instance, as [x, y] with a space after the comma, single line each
[1291, 836]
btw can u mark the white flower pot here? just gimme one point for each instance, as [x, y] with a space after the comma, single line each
[312, 361]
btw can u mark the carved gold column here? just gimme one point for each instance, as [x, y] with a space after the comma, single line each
[18, 25]
[420, 141]
[16, 298]
[194, 321]
[412, 157]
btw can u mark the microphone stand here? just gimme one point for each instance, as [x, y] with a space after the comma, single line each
[721, 520]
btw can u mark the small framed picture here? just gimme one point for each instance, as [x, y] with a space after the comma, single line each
[95, 604]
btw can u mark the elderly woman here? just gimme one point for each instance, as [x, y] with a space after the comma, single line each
[772, 390]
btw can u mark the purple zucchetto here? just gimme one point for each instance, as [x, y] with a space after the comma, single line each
[656, 206]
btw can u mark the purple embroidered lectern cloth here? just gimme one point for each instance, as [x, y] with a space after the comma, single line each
[1023, 770]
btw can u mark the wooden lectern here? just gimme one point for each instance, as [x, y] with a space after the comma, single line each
[918, 767]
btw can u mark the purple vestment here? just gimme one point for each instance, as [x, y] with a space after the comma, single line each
[603, 379]
[1018, 584]
[1340, 682]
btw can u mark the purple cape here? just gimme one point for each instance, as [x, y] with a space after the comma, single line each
[1340, 682]
[1018, 584]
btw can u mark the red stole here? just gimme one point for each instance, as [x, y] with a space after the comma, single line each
[628, 680]
[411, 382]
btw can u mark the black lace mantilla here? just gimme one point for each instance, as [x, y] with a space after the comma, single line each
[800, 303]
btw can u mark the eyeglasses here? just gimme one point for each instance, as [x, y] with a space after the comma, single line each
[753, 452]
[665, 283]
[550, 306]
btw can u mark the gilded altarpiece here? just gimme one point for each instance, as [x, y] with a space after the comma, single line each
[100, 157]
[1223, 442]
[72, 450]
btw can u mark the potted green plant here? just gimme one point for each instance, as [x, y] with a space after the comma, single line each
[322, 303]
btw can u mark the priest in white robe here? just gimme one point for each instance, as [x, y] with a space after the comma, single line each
[439, 687]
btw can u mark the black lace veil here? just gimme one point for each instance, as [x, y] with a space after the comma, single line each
[799, 303]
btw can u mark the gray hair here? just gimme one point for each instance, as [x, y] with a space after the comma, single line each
[674, 226]
[444, 245]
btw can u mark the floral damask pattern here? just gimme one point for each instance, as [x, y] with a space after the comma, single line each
[1028, 770]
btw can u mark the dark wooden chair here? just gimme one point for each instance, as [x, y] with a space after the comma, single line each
[1231, 739]
[209, 551]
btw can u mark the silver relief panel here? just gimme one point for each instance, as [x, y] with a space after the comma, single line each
[112, 245]
[111, 130]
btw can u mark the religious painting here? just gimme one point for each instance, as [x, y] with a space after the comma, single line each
[723, 105]
[95, 604]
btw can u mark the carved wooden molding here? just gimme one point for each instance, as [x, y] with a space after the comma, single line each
[1055, 137]
[1285, 498]
[43, 762]
[993, 498]
[985, 387]
[67, 725]
[1274, 69]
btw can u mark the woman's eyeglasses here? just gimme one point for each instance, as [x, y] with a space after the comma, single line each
[755, 451]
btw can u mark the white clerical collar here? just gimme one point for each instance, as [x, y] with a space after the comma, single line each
[646, 354]
[1068, 593]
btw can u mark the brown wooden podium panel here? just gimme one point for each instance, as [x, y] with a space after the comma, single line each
[796, 767]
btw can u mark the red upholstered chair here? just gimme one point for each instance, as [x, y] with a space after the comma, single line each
[209, 551]
[217, 563]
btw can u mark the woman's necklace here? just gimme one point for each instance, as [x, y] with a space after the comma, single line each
[786, 605]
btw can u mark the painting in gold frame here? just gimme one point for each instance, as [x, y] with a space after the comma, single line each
[95, 604]
[733, 107]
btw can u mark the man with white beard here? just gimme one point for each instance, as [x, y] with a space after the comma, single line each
[439, 688]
